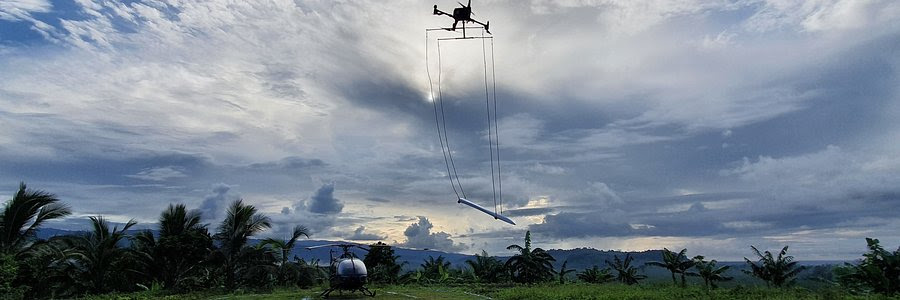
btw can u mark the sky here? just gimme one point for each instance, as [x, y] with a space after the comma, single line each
[628, 125]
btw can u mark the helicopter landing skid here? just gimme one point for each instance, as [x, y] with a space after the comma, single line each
[362, 290]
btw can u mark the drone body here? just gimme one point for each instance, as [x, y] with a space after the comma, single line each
[462, 14]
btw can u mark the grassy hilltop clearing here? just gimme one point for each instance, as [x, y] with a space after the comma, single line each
[475, 292]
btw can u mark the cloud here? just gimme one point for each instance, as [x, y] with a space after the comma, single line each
[567, 225]
[547, 169]
[829, 173]
[360, 234]
[159, 173]
[13, 10]
[287, 163]
[419, 235]
[823, 15]
[378, 199]
[214, 204]
[523, 212]
[323, 201]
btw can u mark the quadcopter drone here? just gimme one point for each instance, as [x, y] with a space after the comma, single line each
[462, 14]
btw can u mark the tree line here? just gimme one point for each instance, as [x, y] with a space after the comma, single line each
[185, 255]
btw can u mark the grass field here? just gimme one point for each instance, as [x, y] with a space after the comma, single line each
[569, 291]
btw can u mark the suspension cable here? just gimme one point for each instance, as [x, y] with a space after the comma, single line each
[441, 121]
[496, 131]
[444, 121]
[487, 104]
[436, 122]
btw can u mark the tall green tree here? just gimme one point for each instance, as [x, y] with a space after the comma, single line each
[710, 272]
[776, 271]
[97, 258]
[487, 268]
[241, 222]
[625, 272]
[382, 263]
[23, 215]
[878, 271]
[8, 270]
[595, 275]
[530, 265]
[286, 270]
[433, 268]
[47, 270]
[676, 263]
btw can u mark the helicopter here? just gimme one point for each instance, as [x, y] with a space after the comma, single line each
[348, 272]
[462, 14]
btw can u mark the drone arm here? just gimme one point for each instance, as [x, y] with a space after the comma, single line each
[438, 12]
[486, 25]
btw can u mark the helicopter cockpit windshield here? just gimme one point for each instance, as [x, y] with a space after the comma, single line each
[351, 267]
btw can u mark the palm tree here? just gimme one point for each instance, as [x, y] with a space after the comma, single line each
[529, 265]
[676, 263]
[777, 271]
[626, 273]
[241, 222]
[595, 275]
[177, 220]
[148, 259]
[285, 248]
[563, 271]
[182, 246]
[486, 268]
[709, 272]
[23, 215]
[97, 257]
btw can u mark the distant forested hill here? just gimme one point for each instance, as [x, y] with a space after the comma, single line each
[579, 258]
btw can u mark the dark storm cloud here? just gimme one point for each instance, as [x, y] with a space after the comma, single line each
[323, 201]
[563, 225]
[523, 212]
[746, 219]
[287, 163]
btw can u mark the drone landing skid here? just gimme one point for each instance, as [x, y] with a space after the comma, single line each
[485, 210]
[362, 290]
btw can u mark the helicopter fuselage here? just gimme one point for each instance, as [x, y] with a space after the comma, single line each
[350, 273]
